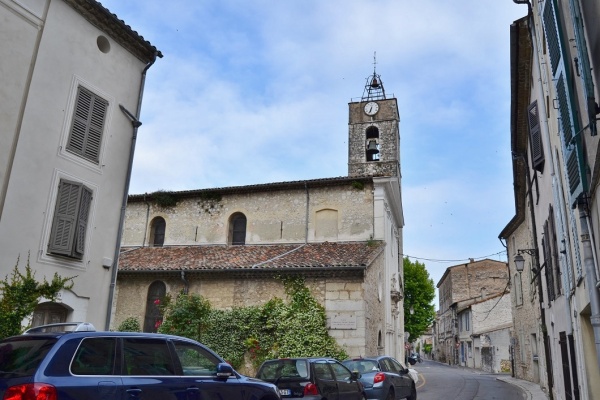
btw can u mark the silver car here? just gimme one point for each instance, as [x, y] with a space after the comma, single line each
[384, 378]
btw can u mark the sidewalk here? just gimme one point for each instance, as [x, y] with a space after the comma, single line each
[532, 390]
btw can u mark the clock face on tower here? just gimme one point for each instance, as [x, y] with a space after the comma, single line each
[371, 108]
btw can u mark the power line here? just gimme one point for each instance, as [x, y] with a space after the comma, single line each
[460, 260]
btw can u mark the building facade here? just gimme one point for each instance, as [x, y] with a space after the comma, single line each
[552, 241]
[69, 67]
[460, 289]
[230, 245]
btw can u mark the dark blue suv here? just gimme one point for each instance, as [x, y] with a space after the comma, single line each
[47, 364]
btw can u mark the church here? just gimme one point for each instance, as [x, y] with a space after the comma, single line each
[343, 235]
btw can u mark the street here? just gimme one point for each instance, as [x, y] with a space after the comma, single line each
[441, 381]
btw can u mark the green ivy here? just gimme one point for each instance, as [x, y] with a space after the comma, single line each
[276, 329]
[21, 294]
[164, 198]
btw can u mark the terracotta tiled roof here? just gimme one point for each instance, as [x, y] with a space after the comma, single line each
[263, 187]
[333, 255]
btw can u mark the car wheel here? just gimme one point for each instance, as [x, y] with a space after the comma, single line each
[390, 395]
[413, 393]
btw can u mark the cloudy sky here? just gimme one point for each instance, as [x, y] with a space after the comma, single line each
[257, 91]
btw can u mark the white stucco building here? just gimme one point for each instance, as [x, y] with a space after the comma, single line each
[70, 94]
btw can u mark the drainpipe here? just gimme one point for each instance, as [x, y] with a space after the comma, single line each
[135, 123]
[147, 217]
[307, 201]
[186, 284]
[590, 278]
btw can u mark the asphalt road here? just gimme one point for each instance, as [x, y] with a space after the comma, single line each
[440, 381]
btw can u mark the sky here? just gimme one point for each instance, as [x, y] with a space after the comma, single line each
[257, 91]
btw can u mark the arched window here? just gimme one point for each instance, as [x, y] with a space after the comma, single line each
[372, 143]
[157, 231]
[237, 229]
[153, 317]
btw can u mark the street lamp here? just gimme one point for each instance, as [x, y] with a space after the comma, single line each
[520, 262]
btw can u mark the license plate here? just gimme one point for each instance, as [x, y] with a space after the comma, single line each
[285, 392]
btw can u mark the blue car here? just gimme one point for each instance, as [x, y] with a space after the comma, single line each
[51, 363]
[384, 378]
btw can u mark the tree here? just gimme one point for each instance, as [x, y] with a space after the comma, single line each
[21, 293]
[419, 292]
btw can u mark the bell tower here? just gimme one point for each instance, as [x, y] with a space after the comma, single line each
[374, 132]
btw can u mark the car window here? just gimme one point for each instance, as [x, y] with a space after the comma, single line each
[195, 360]
[288, 368]
[322, 371]
[386, 365]
[23, 357]
[362, 366]
[95, 356]
[341, 372]
[397, 367]
[147, 356]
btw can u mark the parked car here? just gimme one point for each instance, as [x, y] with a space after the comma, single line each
[384, 378]
[312, 379]
[74, 362]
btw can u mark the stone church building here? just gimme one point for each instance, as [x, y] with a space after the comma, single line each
[230, 244]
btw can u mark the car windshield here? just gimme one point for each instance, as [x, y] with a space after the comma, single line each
[362, 366]
[281, 369]
[22, 356]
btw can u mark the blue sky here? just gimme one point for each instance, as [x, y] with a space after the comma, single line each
[257, 91]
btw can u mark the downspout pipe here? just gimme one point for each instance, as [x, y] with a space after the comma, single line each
[590, 278]
[135, 123]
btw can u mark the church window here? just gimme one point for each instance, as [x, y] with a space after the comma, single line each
[153, 316]
[157, 232]
[237, 229]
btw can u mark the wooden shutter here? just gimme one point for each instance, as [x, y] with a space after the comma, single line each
[535, 137]
[64, 223]
[69, 226]
[85, 137]
[572, 146]
[82, 220]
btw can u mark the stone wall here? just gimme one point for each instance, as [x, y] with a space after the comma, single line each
[273, 216]
[353, 311]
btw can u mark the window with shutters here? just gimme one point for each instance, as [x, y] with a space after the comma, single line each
[69, 224]
[535, 137]
[85, 135]
[237, 229]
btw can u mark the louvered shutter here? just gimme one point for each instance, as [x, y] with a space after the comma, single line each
[583, 60]
[85, 137]
[572, 149]
[535, 137]
[65, 214]
[82, 219]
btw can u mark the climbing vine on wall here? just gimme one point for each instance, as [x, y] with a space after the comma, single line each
[21, 293]
[296, 328]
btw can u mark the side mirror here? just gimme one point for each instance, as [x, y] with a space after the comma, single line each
[355, 375]
[224, 370]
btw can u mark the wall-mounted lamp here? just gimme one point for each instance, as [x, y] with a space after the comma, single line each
[520, 262]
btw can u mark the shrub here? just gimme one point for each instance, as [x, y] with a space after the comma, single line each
[130, 324]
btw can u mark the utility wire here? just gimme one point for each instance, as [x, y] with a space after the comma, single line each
[460, 260]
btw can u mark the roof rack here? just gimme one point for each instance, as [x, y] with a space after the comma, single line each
[63, 327]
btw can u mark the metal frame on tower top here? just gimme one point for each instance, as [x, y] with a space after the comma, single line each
[374, 87]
